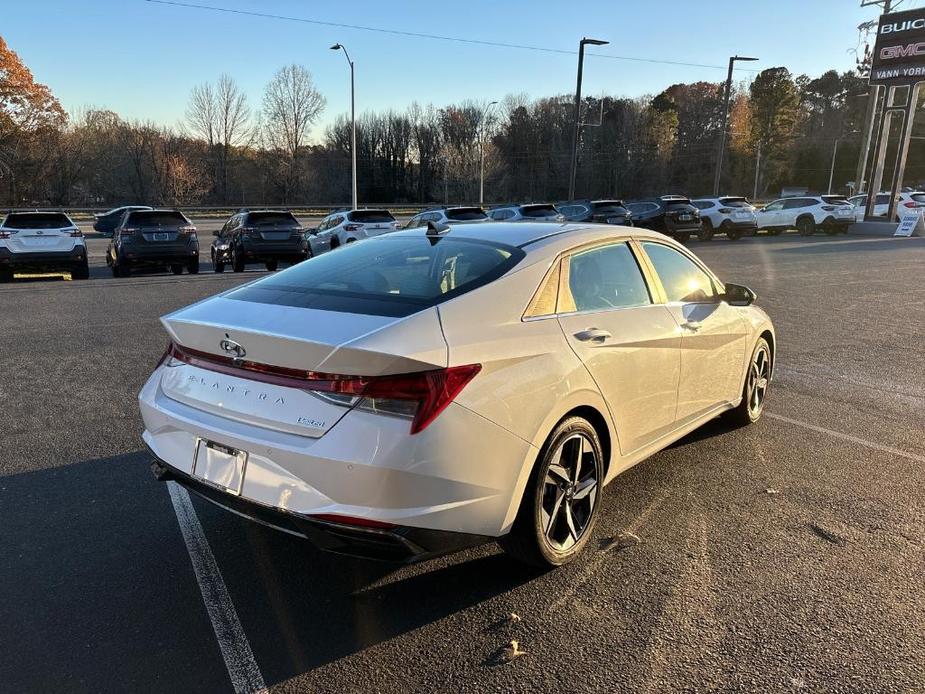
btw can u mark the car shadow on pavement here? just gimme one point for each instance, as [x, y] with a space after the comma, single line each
[844, 244]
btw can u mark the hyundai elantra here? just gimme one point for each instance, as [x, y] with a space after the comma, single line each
[439, 387]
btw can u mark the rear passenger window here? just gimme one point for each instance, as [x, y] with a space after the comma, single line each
[681, 277]
[605, 278]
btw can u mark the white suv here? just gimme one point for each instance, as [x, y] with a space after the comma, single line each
[535, 212]
[41, 241]
[448, 215]
[347, 226]
[908, 202]
[730, 215]
[831, 213]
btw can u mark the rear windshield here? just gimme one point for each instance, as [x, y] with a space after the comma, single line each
[271, 218]
[464, 214]
[734, 202]
[156, 218]
[386, 276]
[371, 216]
[606, 205]
[835, 200]
[918, 197]
[539, 211]
[677, 204]
[40, 220]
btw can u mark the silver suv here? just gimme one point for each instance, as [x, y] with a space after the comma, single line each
[448, 215]
[534, 212]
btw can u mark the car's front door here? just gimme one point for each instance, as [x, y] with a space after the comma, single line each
[770, 215]
[629, 343]
[714, 334]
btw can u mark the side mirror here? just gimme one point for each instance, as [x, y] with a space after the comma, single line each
[738, 295]
[312, 231]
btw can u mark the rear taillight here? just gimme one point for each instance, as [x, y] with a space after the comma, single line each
[76, 233]
[250, 231]
[828, 208]
[6, 234]
[190, 231]
[910, 203]
[396, 225]
[726, 210]
[352, 227]
[419, 396]
[128, 231]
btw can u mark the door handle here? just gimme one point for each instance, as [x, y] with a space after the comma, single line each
[692, 325]
[593, 335]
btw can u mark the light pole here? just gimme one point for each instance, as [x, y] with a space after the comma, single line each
[353, 126]
[581, 62]
[722, 133]
[482, 153]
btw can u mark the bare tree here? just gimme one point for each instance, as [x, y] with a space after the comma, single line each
[220, 116]
[291, 104]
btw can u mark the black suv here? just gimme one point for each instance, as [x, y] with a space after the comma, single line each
[258, 236]
[603, 211]
[153, 239]
[107, 221]
[673, 215]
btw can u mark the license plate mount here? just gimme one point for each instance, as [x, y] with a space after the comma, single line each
[219, 465]
[161, 236]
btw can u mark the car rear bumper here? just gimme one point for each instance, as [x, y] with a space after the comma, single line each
[43, 259]
[401, 544]
[140, 255]
[744, 226]
[461, 475]
[837, 222]
[256, 252]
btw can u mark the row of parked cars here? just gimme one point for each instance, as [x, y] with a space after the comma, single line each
[146, 238]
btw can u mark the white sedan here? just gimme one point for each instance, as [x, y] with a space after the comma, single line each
[438, 387]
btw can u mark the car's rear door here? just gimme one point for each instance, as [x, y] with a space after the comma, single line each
[629, 343]
[713, 341]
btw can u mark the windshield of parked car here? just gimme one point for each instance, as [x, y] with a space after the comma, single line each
[466, 214]
[608, 207]
[156, 218]
[539, 211]
[41, 220]
[677, 204]
[271, 219]
[835, 200]
[371, 216]
[386, 276]
[734, 202]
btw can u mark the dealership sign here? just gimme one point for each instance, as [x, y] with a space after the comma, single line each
[899, 54]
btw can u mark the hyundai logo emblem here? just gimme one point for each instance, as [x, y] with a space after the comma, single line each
[232, 348]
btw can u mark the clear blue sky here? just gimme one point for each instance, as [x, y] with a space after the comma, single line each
[141, 59]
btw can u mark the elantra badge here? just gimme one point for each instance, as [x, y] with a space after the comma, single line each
[232, 348]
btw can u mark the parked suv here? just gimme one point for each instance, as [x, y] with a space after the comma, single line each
[153, 239]
[106, 222]
[347, 226]
[533, 212]
[41, 241]
[909, 201]
[604, 211]
[257, 236]
[831, 213]
[733, 216]
[673, 215]
[448, 215]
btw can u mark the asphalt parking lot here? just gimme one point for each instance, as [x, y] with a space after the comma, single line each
[787, 556]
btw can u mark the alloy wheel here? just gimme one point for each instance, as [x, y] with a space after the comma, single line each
[759, 374]
[570, 492]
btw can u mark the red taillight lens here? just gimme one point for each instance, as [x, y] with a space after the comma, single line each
[76, 233]
[352, 227]
[127, 231]
[190, 231]
[421, 396]
[910, 203]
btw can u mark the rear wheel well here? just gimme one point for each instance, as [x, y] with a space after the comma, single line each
[596, 420]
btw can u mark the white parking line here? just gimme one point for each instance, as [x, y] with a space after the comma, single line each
[848, 437]
[236, 651]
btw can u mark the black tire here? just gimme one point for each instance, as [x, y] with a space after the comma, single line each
[121, 269]
[217, 265]
[806, 226]
[705, 232]
[272, 265]
[831, 230]
[192, 266]
[748, 412]
[734, 234]
[237, 262]
[682, 236]
[176, 269]
[555, 495]
[6, 275]
[81, 271]
[335, 242]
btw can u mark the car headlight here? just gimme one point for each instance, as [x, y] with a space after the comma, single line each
[222, 246]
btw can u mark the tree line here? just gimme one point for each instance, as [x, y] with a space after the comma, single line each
[230, 151]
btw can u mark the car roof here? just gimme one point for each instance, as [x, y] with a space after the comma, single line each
[525, 233]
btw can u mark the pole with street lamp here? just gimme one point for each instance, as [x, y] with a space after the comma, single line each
[353, 126]
[722, 133]
[484, 119]
[581, 62]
